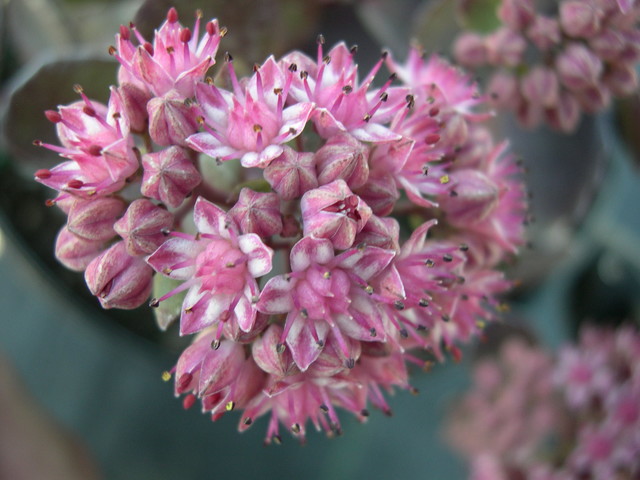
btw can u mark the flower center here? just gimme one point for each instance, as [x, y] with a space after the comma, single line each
[347, 207]
[221, 267]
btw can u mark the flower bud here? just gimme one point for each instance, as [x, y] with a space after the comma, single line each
[477, 149]
[505, 47]
[503, 90]
[474, 199]
[380, 192]
[540, 86]
[257, 212]
[343, 157]
[219, 367]
[118, 279]
[578, 67]
[517, 14]
[621, 79]
[608, 44]
[593, 99]
[334, 212]
[579, 19]
[169, 176]
[566, 114]
[454, 132]
[469, 50]
[382, 232]
[93, 219]
[171, 121]
[544, 32]
[74, 252]
[292, 173]
[144, 227]
[134, 103]
[203, 368]
[272, 356]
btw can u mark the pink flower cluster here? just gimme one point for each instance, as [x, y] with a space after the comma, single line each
[530, 416]
[362, 231]
[551, 68]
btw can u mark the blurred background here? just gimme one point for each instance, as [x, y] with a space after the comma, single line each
[97, 374]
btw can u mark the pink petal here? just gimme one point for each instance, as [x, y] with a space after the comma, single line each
[176, 251]
[211, 219]
[310, 250]
[276, 296]
[304, 348]
[260, 256]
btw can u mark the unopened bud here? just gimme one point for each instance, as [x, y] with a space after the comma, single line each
[580, 19]
[469, 50]
[170, 120]
[142, 227]
[93, 219]
[343, 157]
[118, 279]
[134, 103]
[169, 176]
[74, 252]
[257, 212]
[292, 173]
[578, 67]
[476, 197]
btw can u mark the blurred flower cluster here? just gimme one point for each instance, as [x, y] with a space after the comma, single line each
[549, 68]
[316, 232]
[532, 416]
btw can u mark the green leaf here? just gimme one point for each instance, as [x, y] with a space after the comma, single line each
[168, 310]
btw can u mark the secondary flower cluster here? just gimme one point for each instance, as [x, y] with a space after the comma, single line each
[551, 68]
[530, 416]
[359, 228]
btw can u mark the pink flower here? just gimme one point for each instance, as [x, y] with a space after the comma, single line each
[218, 266]
[316, 300]
[500, 227]
[177, 59]
[333, 211]
[250, 124]
[343, 103]
[97, 143]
